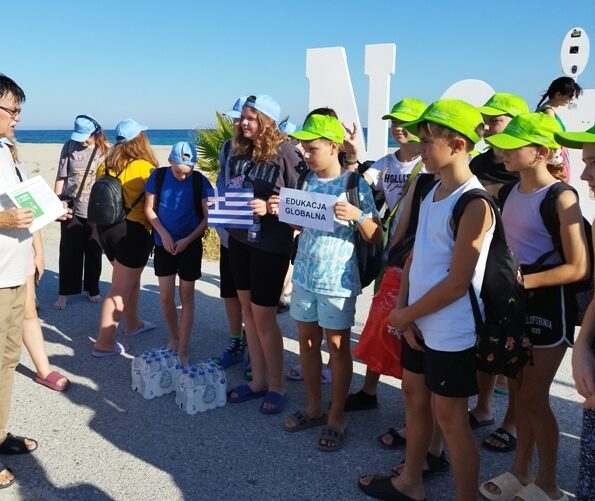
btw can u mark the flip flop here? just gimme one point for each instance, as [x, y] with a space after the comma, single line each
[397, 442]
[532, 492]
[333, 434]
[508, 485]
[51, 381]
[502, 436]
[302, 422]
[360, 401]
[382, 488]
[118, 350]
[475, 423]
[8, 484]
[278, 400]
[436, 464]
[244, 393]
[500, 390]
[15, 444]
[147, 326]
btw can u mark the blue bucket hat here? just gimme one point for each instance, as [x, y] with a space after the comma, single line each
[236, 111]
[181, 150]
[128, 129]
[84, 126]
[265, 104]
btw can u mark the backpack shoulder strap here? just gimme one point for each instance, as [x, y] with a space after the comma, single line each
[352, 190]
[503, 193]
[549, 212]
[302, 179]
[159, 179]
[197, 193]
[468, 196]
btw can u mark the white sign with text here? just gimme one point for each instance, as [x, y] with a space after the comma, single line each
[307, 209]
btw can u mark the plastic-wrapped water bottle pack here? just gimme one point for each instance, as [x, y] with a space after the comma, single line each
[199, 387]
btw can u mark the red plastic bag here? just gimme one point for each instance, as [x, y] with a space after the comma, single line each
[377, 347]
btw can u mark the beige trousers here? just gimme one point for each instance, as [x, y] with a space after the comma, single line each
[12, 308]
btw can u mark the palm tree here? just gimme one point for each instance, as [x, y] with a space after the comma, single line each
[209, 142]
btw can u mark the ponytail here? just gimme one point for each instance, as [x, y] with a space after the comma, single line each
[557, 170]
[544, 96]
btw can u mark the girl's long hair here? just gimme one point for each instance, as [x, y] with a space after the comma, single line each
[565, 86]
[102, 143]
[122, 154]
[263, 147]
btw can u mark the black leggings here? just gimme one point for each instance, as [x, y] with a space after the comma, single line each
[79, 252]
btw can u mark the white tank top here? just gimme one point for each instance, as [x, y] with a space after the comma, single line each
[453, 327]
[526, 234]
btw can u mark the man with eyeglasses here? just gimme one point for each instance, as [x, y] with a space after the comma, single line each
[15, 249]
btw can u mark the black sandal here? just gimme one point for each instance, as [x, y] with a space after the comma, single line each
[14, 444]
[333, 437]
[3, 467]
[436, 464]
[360, 401]
[397, 442]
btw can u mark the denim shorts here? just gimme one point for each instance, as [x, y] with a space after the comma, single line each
[330, 312]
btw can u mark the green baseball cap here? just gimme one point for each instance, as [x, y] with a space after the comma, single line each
[318, 126]
[503, 103]
[575, 139]
[452, 113]
[406, 110]
[530, 128]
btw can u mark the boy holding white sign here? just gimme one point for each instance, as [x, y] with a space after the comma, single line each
[326, 281]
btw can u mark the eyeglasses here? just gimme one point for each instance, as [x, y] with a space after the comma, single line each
[12, 112]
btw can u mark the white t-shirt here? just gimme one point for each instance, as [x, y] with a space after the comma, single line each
[15, 245]
[453, 327]
[390, 175]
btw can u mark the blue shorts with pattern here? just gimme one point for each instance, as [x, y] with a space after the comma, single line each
[330, 312]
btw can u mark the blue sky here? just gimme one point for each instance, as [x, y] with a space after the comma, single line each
[173, 64]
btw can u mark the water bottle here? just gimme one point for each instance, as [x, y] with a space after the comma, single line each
[166, 380]
[156, 371]
[135, 373]
[181, 387]
[254, 230]
[209, 395]
[221, 388]
[146, 378]
[200, 390]
[190, 401]
[176, 376]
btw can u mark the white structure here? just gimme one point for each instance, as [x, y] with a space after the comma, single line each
[330, 85]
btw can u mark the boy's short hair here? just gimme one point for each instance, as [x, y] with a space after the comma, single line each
[458, 117]
[321, 127]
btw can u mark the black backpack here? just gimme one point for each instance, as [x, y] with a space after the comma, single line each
[106, 201]
[369, 255]
[196, 190]
[502, 345]
[578, 294]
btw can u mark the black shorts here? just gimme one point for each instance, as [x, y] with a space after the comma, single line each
[186, 264]
[448, 373]
[127, 242]
[227, 287]
[258, 271]
[550, 319]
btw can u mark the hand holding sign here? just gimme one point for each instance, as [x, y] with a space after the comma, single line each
[307, 209]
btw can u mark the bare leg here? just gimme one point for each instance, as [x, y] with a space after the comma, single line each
[33, 335]
[342, 370]
[233, 308]
[124, 281]
[61, 303]
[133, 321]
[167, 292]
[483, 409]
[187, 317]
[452, 417]
[271, 342]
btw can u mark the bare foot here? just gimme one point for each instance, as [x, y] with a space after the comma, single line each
[92, 299]
[6, 478]
[62, 382]
[60, 303]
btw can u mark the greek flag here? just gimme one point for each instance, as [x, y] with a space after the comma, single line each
[231, 210]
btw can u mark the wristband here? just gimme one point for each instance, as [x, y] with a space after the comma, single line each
[361, 218]
[349, 162]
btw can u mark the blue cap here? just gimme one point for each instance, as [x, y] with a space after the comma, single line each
[128, 129]
[181, 150]
[265, 104]
[84, 126]
[287, 127]
[236, 111]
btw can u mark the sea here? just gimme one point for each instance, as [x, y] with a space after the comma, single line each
[167, 137]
